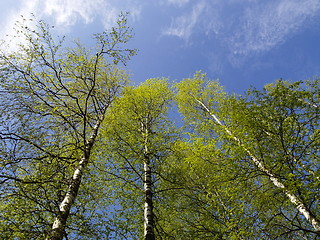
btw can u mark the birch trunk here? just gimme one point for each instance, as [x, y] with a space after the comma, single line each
[148, 202]
[300, 206]
[58, 228]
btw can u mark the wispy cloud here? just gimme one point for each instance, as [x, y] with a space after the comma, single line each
[183, 26]
[244, 27]
[265, 26]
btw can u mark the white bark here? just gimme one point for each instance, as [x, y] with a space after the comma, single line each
[58, 227]
[147, 185]
[300, 206]
[148, 204]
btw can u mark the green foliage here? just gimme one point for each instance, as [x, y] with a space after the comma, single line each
[279, 127]
[137, 121]
[53, 97]
[212, 181]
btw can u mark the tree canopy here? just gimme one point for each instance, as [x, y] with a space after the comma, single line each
[87, 154]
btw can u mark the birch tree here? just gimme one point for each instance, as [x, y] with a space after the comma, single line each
[274, 131]
[139, 135]
[54, 100]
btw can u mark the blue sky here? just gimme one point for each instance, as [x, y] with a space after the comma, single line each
[242, 43]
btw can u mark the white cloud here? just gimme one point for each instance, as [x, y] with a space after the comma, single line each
[245, 27]
[12, 16]
[66, 13]
[242, 27]
[69, 12]
[265, 26]
[183, 26]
